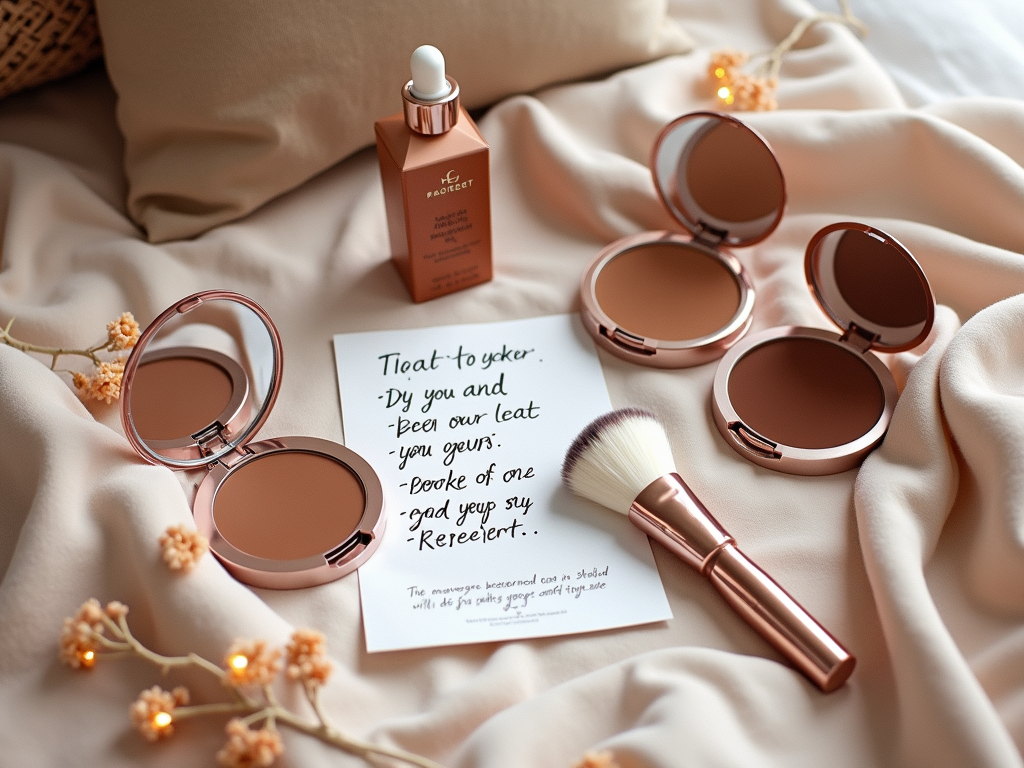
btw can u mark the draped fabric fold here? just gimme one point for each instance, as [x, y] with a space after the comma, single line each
[916, 560]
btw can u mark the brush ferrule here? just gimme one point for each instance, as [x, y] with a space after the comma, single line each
[668, 511]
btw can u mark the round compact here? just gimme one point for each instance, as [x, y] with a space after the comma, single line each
[814, 402]
[671, 301]
[281, 513]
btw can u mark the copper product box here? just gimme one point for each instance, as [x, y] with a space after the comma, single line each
[437, 194]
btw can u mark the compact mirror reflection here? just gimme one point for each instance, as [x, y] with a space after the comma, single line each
[717, 175]
[201, 380]
[861, 275]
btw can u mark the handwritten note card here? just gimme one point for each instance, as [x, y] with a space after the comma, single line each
[467, 426]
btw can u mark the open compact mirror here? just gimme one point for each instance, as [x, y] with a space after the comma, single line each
[814, 402]
[671, 301]
[282, 513]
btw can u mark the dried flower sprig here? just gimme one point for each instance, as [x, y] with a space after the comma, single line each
[96, 632]
[105, 384]
[755, 92]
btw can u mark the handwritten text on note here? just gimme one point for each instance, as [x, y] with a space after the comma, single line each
[467, 426]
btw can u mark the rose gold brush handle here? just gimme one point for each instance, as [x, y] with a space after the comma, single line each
[781, 620]
[668, 511]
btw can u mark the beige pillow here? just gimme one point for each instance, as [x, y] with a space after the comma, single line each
[226, 104]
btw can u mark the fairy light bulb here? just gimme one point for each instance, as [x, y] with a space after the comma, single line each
[719, 72]
[725, 94]
[89, 656]
[239, 662]
[162, 719]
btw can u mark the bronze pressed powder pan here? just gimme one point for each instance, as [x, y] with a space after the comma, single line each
[280, 513]
[671, 301]
[814, 402]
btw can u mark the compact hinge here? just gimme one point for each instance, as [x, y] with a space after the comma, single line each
[708, 235]
[860, 338]
[210, 441]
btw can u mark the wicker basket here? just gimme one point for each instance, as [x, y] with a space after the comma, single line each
[42, 40]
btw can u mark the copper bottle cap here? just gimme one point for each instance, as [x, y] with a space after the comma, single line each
[431, 118]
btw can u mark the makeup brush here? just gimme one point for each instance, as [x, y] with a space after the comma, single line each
[623, 461]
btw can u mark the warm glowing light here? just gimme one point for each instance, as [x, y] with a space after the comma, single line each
[239, 661]
[725, 94]
[89, 655]
[719, 72]
[162, 719]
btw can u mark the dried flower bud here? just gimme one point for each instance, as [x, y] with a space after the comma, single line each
[307, 657]
[737, 89]
[116, 610]
[105, 384]
[151, 713]
[602, 759]
[91, 613]
[81, 381]
[248, 748]
[78, 643]
[123, 332]
[181, 696]
[724, 65]
[183, 547]
[755, 94]
[251, 662]
[78, 646]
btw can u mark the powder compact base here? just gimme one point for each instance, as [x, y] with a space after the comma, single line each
[813, 402]
[281, 513]
[670, 301]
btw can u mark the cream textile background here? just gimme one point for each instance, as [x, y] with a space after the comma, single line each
[914, 561]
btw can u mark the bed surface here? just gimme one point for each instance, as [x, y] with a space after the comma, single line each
[938, 51]
[916, 560]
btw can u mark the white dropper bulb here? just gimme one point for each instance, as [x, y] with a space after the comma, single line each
[428, 80]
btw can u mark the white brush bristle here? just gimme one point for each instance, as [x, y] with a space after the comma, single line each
[616, 457]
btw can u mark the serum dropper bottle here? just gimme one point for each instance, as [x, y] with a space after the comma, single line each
[435, 166]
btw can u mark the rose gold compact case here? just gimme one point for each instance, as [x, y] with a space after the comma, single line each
[671, 301]
[814, 402]
[281, 513]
